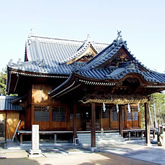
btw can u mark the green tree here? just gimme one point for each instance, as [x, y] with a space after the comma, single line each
[157, 107]
[3, 77]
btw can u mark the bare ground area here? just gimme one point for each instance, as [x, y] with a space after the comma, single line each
[20, 158]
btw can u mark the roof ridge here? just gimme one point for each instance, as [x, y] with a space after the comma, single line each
[64, 39]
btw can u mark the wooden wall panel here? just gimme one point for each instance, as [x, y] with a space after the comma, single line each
[70, 125]
[139, 119]
[135, 124]
[129, 124]
[22, 124]
[12, 122]
[115, 125]
[40, 93]
[28, 121]
[43, 126]
[105, 122]
[79, 124]
[59, 125]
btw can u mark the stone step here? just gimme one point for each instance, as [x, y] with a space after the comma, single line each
[101, 139]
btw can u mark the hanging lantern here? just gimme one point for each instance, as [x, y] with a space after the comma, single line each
[117, 108]
[138, 107]
[129, 109]
[104, 108]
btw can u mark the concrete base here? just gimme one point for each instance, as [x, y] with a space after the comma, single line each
[149, 145]
[34, 153]
[93, 149]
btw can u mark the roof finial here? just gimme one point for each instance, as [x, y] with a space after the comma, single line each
[31, 32]
[119, 35]
[88, 37]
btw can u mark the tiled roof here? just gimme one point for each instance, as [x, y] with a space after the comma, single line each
[48, 55]
[113, 73]
[107, 54]
[6, 104]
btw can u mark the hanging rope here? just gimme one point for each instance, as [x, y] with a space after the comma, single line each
[129, 108]
[138, 107]
[117, 108]
[104, 108]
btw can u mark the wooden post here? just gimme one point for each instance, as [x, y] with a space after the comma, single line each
[55, 138]
[75, 121]
[6, 126]
[110, 118]
[125, 117]
[120, 121]
[147, 124]
[93, 129]
[21, 138]
[101, 120]
[139, 119]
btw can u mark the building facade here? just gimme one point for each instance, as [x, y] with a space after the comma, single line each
[69, 85]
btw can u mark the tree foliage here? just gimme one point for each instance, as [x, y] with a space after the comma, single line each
[3, 77]
[158, 107]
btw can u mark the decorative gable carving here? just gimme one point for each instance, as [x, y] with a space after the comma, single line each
[119, 58]
[85, 56]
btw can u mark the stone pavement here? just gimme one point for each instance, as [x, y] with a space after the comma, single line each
[125, 154]
[139, 151]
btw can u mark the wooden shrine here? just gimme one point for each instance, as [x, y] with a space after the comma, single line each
[68, 85]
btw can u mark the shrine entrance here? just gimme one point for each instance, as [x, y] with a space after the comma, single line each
[85, 118]
[107, 119]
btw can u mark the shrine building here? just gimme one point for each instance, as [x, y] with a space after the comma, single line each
[71, 88]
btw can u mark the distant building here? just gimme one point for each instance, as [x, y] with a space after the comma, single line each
[10, 114]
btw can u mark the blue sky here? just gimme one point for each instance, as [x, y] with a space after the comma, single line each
[142, 24]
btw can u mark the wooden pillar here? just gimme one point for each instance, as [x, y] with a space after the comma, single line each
[147, 125]
[6, 125]
[120, 121]
[75, 120]
[93, 129]
[21, 138]
[139, 119]
[125, 117]
[110, 118]
[101, 119]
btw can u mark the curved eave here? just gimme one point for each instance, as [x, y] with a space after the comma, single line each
[112, 82]
[67, 86]
[13, 78]
[36, 74]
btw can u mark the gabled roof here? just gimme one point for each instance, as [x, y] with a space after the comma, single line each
[108, 53]
[50, 55]
[80, 52]
[54, 57]
[100, 68]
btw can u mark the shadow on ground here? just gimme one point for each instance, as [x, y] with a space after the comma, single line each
[18, 161]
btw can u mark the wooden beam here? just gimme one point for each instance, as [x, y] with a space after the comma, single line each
[93, 129]
[120, 121]
[147, 125]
